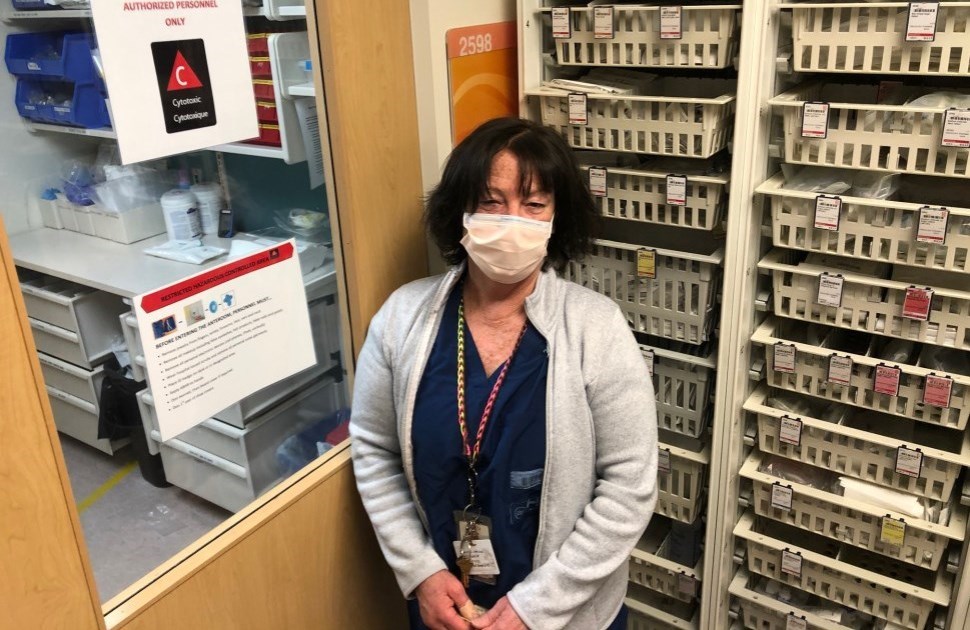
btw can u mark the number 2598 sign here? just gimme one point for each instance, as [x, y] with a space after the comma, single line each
[484, 38]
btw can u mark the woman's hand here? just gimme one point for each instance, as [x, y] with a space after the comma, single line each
[501, 617]
[439, 596]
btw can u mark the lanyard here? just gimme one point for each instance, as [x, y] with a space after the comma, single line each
[471, 451]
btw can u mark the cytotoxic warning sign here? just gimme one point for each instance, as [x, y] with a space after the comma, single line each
[183, 84]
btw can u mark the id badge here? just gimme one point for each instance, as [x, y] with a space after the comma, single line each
[484, 561]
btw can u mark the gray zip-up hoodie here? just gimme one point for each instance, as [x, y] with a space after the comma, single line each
[599, 483]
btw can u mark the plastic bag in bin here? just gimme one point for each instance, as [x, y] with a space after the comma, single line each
[300, 449]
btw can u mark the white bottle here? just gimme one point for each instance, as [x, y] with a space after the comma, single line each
[181, 210]
[210, 204]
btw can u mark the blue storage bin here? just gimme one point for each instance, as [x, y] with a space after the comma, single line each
[86, 106]
[31, 5]
[53, 56]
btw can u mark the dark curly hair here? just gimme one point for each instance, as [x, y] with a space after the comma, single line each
[543, 156]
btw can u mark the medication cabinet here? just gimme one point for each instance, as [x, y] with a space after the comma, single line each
[783, 186]
[77, 287]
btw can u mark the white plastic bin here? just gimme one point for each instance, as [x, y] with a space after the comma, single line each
[679, 304]
[759, 611]
[687, 117]
[854, 522]
[864, 134]
[641, 195]
[709, 39]
[871, 229]
[795, 288]
[885, 589]
[871, 38]
[681, 490]
[811, 377]
[683, 384]
[861, 454]
[651, 569]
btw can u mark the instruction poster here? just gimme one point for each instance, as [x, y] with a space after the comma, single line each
[177, 73]
[483, 75]
[218, 336]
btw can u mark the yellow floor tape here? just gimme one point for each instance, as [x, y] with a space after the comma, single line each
[115, 479]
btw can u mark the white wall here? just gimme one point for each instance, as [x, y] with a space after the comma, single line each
[430, 21]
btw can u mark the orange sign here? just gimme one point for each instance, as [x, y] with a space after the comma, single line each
[483, 75]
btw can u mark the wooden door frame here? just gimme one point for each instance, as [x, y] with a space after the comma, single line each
[305, 551]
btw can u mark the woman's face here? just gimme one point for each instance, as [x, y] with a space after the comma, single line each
[504, 194]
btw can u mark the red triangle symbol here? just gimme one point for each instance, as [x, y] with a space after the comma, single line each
[183, 77]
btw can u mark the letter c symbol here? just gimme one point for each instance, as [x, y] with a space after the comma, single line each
[178, 76]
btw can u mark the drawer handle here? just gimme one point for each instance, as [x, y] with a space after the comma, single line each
[72, 400]
[203, 456]
[147, 398]
[130, 321]
[57, 331]
[68, 368]
[50, 296]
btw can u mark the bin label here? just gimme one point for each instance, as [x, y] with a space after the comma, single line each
[937, 391]
[956, 128]
[795, 623]
[781, 496]
[791, 563]
[784, 358]
[815, 120]
[830, 290]
[909, 461]
[892, 531]
[886, 380]
[921, 24]
[840, 370]
[790, 431]
[183, 84]
[671, 22]
[676, 190]
[603, 22]
[932, 225]
[917, 303]
[561, 27]
[597, 181]
[577, 109]
[827, 212]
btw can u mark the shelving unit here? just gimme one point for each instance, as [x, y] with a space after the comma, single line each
[289, 83]
[821, 522]
[661, 158]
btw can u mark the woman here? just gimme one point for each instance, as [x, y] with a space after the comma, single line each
[503, 423]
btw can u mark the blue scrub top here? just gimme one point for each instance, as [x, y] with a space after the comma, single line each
[512, 457]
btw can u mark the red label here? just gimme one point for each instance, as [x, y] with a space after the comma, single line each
[887, 380]
[214, 277]
[917, 303]
[937, 391]
[183, 77]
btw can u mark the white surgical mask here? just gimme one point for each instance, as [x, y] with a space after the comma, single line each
[506, 248]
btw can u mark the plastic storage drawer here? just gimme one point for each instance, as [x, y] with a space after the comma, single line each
[854, 522]
[708, 39]
[68, 305]
[811, 377]
[681, 489]
[858, 453]
[678, 304]
[795, 290]
[687, 117]
[650, 568]
[759, 611]
[651, 611]
[233, 484]
[641, 195]
[83, 104]
[871, 229]
[832, 37]
[79, 419]
[884, 589]
[52, 55]
[683, 384]
[865, 134]
[70, 379]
